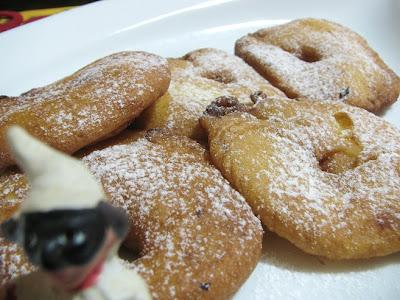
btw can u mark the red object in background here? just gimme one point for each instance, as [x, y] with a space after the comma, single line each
[13, 19]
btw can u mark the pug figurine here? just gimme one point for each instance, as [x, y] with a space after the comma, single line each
[68, 230]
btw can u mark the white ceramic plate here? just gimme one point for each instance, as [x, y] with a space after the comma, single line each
[46, 50]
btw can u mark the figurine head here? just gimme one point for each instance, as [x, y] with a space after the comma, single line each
[65, 225]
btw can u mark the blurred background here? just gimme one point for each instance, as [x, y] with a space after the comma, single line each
[14, 13]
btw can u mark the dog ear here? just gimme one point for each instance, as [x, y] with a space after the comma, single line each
[116, 217]
[9, 230]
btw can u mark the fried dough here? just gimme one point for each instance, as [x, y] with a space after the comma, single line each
[197, 237]
[196, 80]
[92, 104]
[322, 60]
[324, 175]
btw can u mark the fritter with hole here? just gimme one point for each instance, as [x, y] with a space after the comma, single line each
[324, 175]
[321, 60]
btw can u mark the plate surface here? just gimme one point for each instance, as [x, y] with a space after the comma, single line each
[41, 52]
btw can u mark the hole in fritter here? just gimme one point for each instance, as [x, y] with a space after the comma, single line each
[337, 162]
[344, 158]
[347, 156]
[309, 54]
[343, 120]
[220, 76]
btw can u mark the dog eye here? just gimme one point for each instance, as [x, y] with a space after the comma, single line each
[78, 238]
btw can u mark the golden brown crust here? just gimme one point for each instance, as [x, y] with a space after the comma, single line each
[321, 60]
[127, 136]
[198, 238]
[89, 105]
[13, 188]
[324, 175]
[196, 80]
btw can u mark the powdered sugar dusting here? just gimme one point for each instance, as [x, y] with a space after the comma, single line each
[316, 81]
[287, 182]
[101, 76]
[340, 59]
[92, 102]
[188, 214]
[375, 180]
[13, 190]
[183, 211]
[201, 77]
[223, 67]
[13, 262]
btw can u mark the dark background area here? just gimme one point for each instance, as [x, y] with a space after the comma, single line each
[19, 5]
